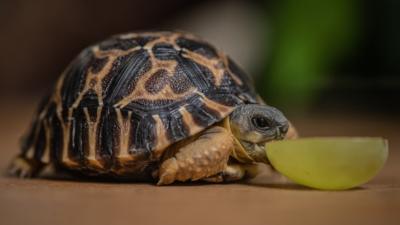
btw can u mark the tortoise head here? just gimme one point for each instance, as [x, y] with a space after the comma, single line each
[254, 125]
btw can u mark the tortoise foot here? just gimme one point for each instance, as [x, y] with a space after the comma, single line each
[23, 168]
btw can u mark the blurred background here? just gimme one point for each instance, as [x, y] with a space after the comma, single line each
[340, 56]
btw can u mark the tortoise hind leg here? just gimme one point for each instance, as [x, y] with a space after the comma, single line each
[205, 156]
[24, 167]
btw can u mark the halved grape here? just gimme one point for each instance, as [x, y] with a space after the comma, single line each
[328, 163]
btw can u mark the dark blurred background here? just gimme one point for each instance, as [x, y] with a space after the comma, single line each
[306, 56]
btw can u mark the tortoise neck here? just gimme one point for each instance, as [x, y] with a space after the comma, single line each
[238, 152]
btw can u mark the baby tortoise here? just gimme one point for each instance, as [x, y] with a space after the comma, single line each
[161, 105]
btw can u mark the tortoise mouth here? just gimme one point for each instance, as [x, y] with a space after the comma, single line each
[256, 150]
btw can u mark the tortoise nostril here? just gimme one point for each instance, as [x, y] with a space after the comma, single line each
[284, 128]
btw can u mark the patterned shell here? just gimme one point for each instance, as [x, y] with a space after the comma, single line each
[126, 99]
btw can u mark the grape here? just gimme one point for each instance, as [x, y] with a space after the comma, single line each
[328, 163]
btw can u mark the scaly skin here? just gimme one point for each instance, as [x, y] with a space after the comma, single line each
[201, 158]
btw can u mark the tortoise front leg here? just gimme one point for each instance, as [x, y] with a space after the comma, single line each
[201, 158]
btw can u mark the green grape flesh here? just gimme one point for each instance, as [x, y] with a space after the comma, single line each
[328, 163]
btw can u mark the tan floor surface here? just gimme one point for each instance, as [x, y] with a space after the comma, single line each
[265, 200]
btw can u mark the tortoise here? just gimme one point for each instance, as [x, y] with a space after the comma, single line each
[161, 106]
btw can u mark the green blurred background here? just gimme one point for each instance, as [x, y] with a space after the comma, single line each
[327, 56]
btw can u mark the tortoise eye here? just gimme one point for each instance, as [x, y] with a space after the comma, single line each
[260, 122]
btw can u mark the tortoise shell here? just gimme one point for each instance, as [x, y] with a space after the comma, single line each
[123, 101]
